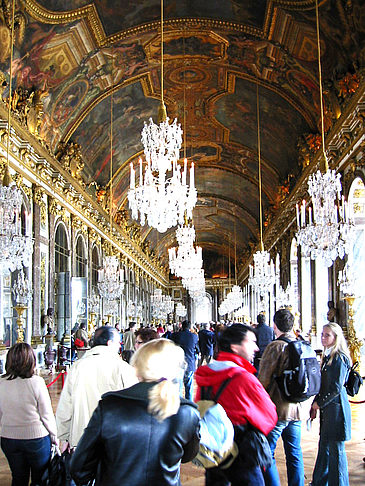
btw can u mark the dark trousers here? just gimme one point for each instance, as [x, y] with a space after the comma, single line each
[234, 476]
[27, 456]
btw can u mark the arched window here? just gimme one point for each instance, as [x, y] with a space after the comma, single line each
[61, 250]
[294, 274]
[62, 277]
[94, 268]
[81, 261]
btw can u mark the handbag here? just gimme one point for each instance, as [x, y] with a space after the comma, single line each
[254, 449]
[55, 474]
[354, 381]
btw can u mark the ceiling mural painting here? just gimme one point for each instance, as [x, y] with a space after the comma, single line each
[125, 15]
[75, 54]
[130, 109]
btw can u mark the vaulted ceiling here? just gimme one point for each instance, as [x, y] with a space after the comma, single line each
[94, 57]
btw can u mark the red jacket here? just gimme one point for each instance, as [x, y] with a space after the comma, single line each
[244, 399]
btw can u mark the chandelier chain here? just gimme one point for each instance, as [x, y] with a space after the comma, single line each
[320, 87]
[259, 157]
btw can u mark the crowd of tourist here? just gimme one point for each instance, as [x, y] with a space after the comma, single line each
[127, 415]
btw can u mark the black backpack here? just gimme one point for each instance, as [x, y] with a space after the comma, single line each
[302, 378]
[354, 380]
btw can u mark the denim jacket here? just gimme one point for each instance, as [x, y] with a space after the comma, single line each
[335, 413]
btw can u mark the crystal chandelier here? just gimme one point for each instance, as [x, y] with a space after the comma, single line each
[161, 304]
[15, 248]
[284, 297]
[162, 198]
[232, 302]
[329, 233]
[111, 283]
[161, 143]
[162, 201]
[346, 278]
[185, 259]
[131, 309]
[262, 273]
[94, 303]
[22, 289]
[111, 308]
[180, 310]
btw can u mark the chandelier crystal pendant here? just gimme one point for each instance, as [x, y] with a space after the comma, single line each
[329, 231]
[111, 281]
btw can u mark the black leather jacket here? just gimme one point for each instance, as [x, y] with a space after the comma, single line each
[124, 445]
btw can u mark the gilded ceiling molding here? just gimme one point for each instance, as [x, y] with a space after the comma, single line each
[89, 13]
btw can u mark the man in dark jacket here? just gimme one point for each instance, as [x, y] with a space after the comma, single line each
[207, 342]
[264, 336]
[189, 342]
[244, 398]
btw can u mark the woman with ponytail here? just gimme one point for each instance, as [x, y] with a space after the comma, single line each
[140, 435]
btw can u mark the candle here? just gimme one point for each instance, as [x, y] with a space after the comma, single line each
[302, 213]
[310, 215]
[140, 173]
[192, 175]
[133, 177]
[298, 221]
[184, 173]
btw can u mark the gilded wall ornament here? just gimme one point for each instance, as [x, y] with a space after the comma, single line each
[69, 155]
[94, 237]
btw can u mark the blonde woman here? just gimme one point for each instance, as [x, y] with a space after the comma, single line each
[335, 414]
[140, 435]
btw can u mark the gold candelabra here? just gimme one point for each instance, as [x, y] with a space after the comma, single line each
[353, 342]
[91, 324]
[20, 308]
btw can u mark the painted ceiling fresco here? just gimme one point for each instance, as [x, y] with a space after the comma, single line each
[97, 61]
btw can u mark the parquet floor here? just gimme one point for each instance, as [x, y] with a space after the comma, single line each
[193, 476]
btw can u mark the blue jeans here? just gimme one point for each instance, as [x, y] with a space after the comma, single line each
[188, 385]
[234, 476]
[27, 456]
[331, 464]
[290, 432]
